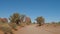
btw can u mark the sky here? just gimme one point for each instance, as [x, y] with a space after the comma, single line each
[49, 9]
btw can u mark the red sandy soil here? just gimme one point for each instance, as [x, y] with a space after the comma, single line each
[34, 29]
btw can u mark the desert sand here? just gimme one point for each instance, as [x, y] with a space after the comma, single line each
[34, 29]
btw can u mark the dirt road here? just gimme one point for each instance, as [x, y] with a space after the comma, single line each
[33, 29]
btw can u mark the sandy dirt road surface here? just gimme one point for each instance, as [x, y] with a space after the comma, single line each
[34, 29]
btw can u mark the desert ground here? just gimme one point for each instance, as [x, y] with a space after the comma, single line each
[34, 29]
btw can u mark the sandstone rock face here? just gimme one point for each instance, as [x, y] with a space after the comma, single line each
[3, 20]
[27, 20]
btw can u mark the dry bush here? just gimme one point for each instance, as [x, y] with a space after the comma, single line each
[22, 24]
[40, 20]
[5, 28]
[13, 26]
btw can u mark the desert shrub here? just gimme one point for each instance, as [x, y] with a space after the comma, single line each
[15, 18]
[40, 20]
[58, 22]
[5, 28]
[13, 26]
[22, 24]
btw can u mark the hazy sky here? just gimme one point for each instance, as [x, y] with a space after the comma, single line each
[49, 9]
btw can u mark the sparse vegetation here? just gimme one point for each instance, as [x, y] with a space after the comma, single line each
[40, 20]
[21, 20]
[5, 28]
[15, 18]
